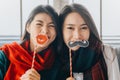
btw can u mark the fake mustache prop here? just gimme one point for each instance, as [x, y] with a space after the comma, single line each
[82, 43]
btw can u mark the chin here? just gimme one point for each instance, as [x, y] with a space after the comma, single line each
[75, 48]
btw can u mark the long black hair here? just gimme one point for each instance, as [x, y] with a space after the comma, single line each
[84, 58]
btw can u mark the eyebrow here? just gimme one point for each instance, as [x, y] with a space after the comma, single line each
[39, 21]
[74, 24]
[83, 24]
[43, 21]
[51, 23]
[70, 24]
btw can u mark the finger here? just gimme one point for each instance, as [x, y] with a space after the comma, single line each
[32, 73]
[35, 72]
[28, 77]
[23, 77]
[70, 78]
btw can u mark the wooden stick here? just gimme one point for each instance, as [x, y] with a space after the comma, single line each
[70, 56]
[33, 60]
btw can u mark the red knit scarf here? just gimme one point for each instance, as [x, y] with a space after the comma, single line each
[21, 60]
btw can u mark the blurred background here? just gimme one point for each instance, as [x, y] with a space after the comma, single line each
[14, 13]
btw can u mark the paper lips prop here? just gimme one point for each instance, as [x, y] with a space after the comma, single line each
[41, 39]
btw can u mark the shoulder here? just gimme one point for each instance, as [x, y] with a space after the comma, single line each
[112, 62]
[3, 57]
[108, 47]
[6, 47]
[4, 63]
[109, 52]
[13, 44]
[118, 54]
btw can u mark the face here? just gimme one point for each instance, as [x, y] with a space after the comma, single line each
[42, 24]
[75, 29]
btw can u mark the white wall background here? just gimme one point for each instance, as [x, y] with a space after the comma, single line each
[11, 19]
[111, 17]
[94, 9]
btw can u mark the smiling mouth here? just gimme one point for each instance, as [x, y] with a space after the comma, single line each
[41, 39]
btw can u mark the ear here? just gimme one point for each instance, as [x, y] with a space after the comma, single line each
[28, 28]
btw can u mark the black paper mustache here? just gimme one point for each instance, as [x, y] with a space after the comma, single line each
[82, 43]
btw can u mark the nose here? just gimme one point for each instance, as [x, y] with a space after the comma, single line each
[44, 30]
[76, 35]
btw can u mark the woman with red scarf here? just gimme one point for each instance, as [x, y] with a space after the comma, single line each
[83, 56]
[37, 51]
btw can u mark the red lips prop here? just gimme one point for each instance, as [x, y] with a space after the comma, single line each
[41, 39]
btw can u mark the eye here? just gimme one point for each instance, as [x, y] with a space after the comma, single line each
[70, 28]
[51, 25]
[84, 27]
[39, 24]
